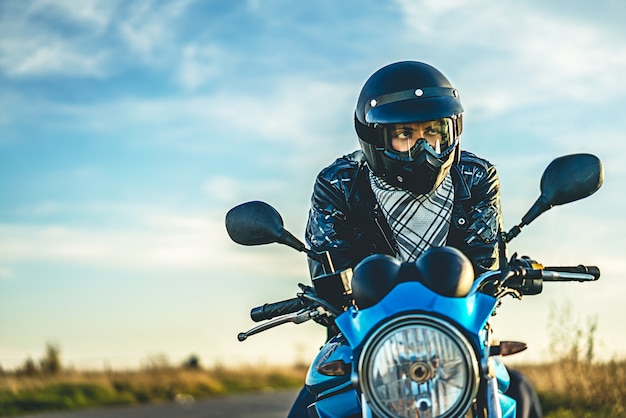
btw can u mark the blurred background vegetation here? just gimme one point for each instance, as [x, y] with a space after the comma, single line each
[47, 386]
[574, 384]
[571, 385]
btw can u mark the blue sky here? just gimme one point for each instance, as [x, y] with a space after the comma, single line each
[129, 128]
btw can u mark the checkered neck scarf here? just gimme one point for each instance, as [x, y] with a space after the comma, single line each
[418, 222]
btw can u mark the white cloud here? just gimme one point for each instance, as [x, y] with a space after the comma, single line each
[534, 55]
[28, 49]
[149, 27]
[61, 37]
[34, 57]
[228, 190]
[573, 59]
[134, 236]
[93, 14]
[198, 65]
[131, 248]
[32, 46]
[140, 238]
[299, 113]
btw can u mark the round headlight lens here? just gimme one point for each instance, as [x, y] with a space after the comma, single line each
[419, 366]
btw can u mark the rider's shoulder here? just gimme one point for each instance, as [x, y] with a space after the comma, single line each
[473, 161]
[345, 167]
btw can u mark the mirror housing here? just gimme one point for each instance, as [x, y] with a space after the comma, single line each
[257, 223]
[572, 177]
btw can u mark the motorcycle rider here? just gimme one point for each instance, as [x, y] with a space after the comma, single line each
[408, 188]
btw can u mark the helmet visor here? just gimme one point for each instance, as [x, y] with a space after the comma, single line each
[407, 140]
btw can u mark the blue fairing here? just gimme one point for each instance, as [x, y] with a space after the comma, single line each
[470, 313]
[502, 375]
[343, 404]
[508, 406]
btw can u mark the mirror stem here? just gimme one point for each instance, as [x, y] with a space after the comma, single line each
[540, 206]
[503, 258]
[285, 237]
[508, 236]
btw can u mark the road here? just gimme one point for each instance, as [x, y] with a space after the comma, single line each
[261, 405]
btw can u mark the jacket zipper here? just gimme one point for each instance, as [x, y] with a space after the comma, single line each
[380, 227]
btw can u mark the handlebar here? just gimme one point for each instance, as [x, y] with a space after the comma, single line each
[272, 310]
[578, 273]
[528, 280]
[531, 280]
[516, 280]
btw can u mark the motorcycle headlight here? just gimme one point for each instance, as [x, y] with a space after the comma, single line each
[418, 366]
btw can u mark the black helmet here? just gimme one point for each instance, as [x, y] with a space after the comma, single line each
[400, 94]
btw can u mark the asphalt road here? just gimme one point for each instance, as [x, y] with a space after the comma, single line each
[260, 405]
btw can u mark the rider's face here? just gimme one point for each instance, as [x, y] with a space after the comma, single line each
[404, 135]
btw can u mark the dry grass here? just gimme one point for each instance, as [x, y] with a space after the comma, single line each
[567, 389]
[580, 389]
[73, 390]
[572, 387]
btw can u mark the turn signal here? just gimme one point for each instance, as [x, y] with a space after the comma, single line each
[506, 348]
[335, 368]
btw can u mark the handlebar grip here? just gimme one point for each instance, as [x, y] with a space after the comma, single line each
[272, 310]
[593, 270]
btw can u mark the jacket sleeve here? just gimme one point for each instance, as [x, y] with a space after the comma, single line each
[484, 215]
[329, 222]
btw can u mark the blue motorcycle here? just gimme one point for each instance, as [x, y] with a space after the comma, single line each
[415, 339]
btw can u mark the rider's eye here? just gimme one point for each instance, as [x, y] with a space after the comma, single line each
[405, 134]
[431, 130]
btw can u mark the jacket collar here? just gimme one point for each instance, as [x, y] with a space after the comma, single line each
[461, 188]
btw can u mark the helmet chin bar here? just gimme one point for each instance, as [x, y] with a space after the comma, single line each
[415, 176]
[421, 175]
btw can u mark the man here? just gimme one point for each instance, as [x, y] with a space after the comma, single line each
[410, 187]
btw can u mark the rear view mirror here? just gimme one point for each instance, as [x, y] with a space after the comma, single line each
[257, 223]
[571, 178]
[566, 179]
[254, 223]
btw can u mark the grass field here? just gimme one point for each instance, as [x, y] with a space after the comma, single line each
[566, 389]
[572, 387]
[578, 389]
[66, 390]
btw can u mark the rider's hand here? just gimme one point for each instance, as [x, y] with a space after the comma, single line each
[524, 261]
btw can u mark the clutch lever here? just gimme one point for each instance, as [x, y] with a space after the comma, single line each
[296, 317]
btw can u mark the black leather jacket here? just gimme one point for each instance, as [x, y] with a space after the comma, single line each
[346, 221]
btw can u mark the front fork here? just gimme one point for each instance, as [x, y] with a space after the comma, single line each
[494, 409]
[491, 402]
[496, 380]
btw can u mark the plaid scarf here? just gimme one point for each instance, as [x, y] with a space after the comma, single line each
[418, 222]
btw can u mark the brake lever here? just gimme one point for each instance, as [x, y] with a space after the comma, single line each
[296, 317]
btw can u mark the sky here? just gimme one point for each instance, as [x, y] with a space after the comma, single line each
[129, 128]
